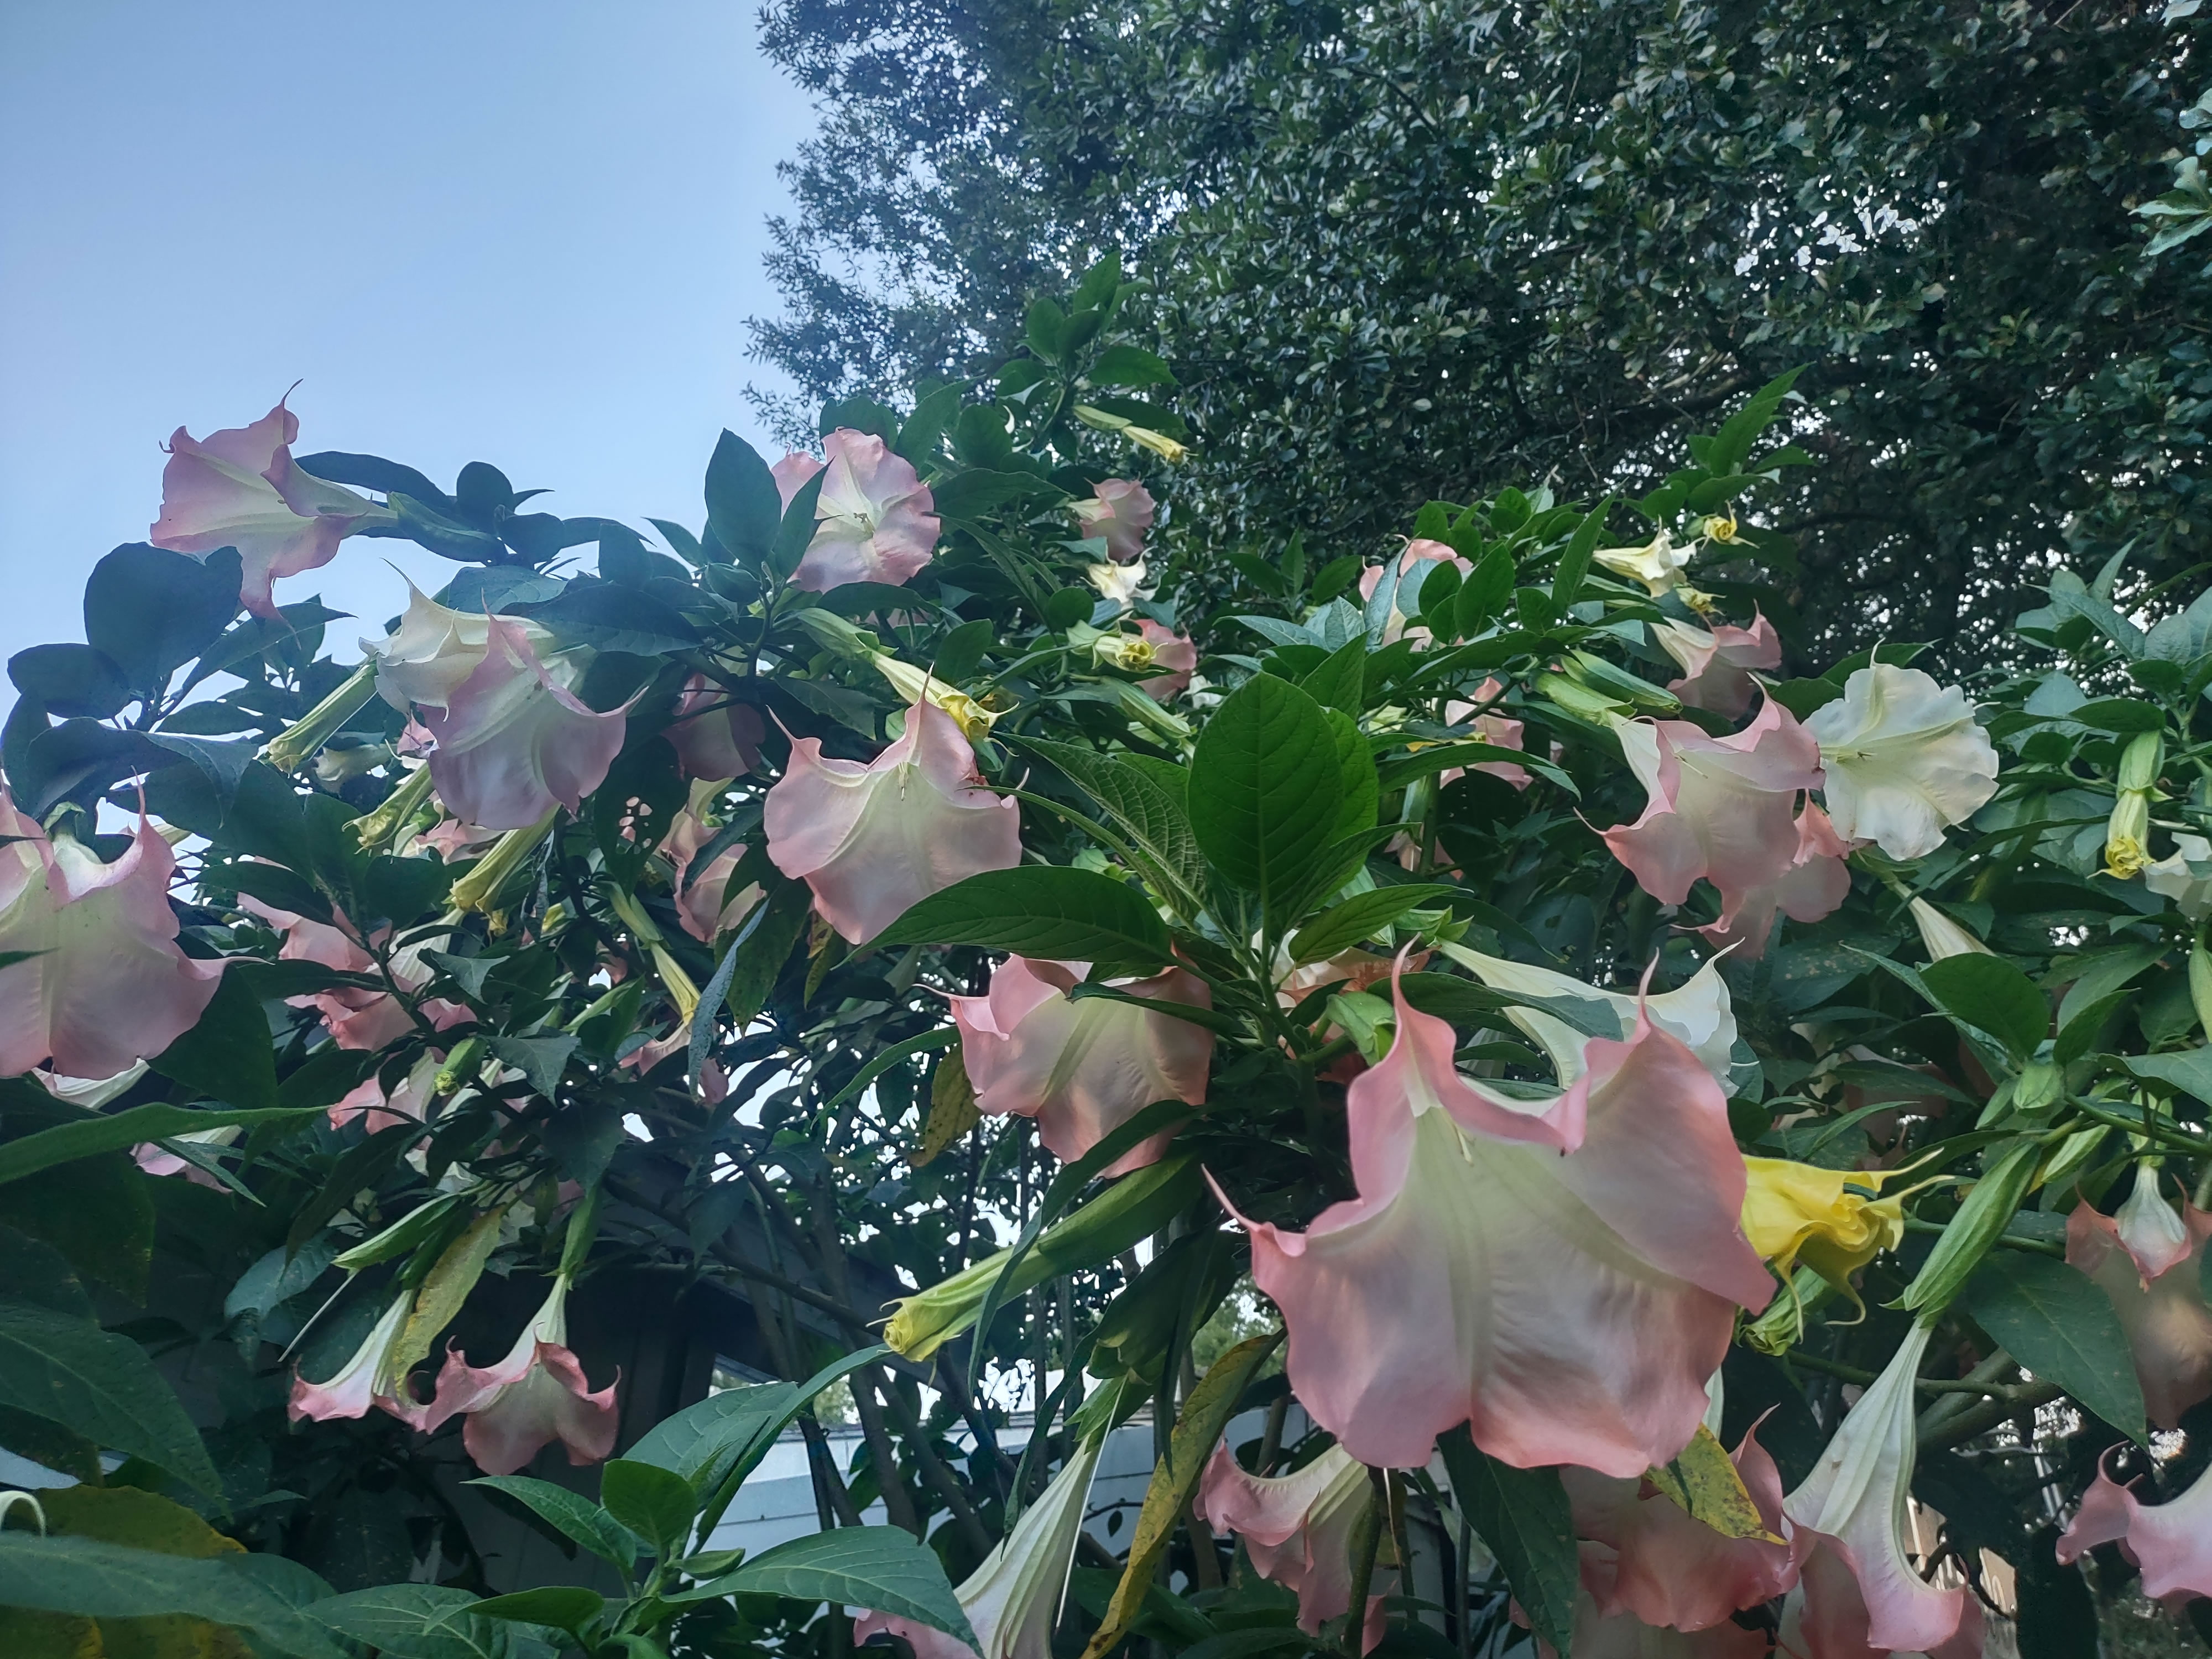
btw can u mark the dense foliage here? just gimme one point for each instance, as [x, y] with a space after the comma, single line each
[873, 886]
[1449, 245]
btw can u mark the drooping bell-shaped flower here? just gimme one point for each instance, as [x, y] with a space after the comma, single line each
[873, 840]
[1082, 1069]
[1796, 1213]
[356, 1016]
[1659, 564]
[1119, 582]
[536, 1395]
[1646, 1556]
[1941, 936]
[238, 488]
[1905, 758]
[1563, 1277]
[1120, 510]
[102, 983]
[1013, 1601]
[1173, 651]
[1815, 882]
[415, 1097]
[715, 736]
[1718, 663]
[368, 1379]
[1298, 1530]
[704, 903]
[2185, 876]
[791, 474]
[2172, 1542]
[2149, 1259]
[1498, 731]
[1721, 808]
[431, 654]
[1624, 1635]
[1855, 1500]
[1826, 1617]
[873, 521]
[513, 742]
[1696, 1013]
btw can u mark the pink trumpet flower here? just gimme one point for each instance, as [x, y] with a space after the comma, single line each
[415, 1097]
[1298, 1529]
[2149, 1260]
[704, 903]
[1826, 1617]
[364, 1381]
[1082, 1069]
[715, 737]
[2172, 1542]
[1174, 652]
[1120, 510]
[874, 839]
[238, 488]
[103, 983]
[1852, 1506]
[1816, 882]
[514, 743]
[1717, 665]
[791, 474]
[536, 1395]
[873, 518]
[1647, 1557]
[1498, 731]
[1563, 1277]
[1624, 1635]
[1721, 808]
[355, 1017]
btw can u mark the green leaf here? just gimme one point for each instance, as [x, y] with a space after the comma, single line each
[150, 611]
[1989, 992]
[541, 1059]
[1040, 910]
[564, 1606]
[1575, 563]
[1482, 596]
[1140, 808]
[99, 1580]
[1359, 917]
[101, 1386]
[1266, 787]
[413, 1621]
[879, 1567]
[571, 1513]
[655, 1503]
[96, 1210]
[1341, 682]
[70, 680]
[227, 1055]
[66, 1142]
[744, 508]
[1523, 1516]
[1129, 364]
[2189, 1071]
[2057, 1322]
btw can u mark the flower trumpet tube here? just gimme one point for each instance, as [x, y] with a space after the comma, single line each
[368, 1379]
[1941, 936]
[534, 1397]
[289, 748]
[1298, 1531]
[1854, 1500]
[97, 981]
[480, 887]
[917, 686]
[377, 828]
[1564, 1280]
[1133, 1207]
[1013, 1599]
[2149, 1260]
[873, 840]
[2172, 1542]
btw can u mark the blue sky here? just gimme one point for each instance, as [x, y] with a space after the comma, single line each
[528, 235]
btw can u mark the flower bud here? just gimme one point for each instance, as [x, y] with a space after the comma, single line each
[480, 887]
[290, 747]
[1943, 937]
[1981, 1219]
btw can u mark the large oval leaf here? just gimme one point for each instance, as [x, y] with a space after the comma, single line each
[1043, 911]
[1266, 786]
[880, 1568]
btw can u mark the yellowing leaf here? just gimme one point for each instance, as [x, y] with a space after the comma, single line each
[446, 1288]
[952, 1109]
[1705, 1483]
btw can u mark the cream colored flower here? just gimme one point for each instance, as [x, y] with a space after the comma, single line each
[1905, 758]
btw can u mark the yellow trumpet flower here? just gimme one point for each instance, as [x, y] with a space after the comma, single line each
[1797, 1211]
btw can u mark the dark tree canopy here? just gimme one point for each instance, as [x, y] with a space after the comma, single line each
[1426, 246]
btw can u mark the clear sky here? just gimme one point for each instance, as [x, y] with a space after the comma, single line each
[524, 234]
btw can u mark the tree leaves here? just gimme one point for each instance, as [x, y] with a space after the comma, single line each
[1266, 787]
[1043, 911]
[882, 1568]
[2058, 1323]
[1989, 992]
[1523, 1516]
[114, 1581]
[100, 1386]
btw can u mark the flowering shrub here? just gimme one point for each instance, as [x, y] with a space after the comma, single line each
[1652, 1120]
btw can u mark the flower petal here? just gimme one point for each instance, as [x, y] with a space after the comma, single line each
[1903, 758]
[2172, 1542]
[873, 517]
[513, 743]
[2165, 1314]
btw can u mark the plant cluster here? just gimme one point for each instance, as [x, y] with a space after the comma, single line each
[1718, 1161]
